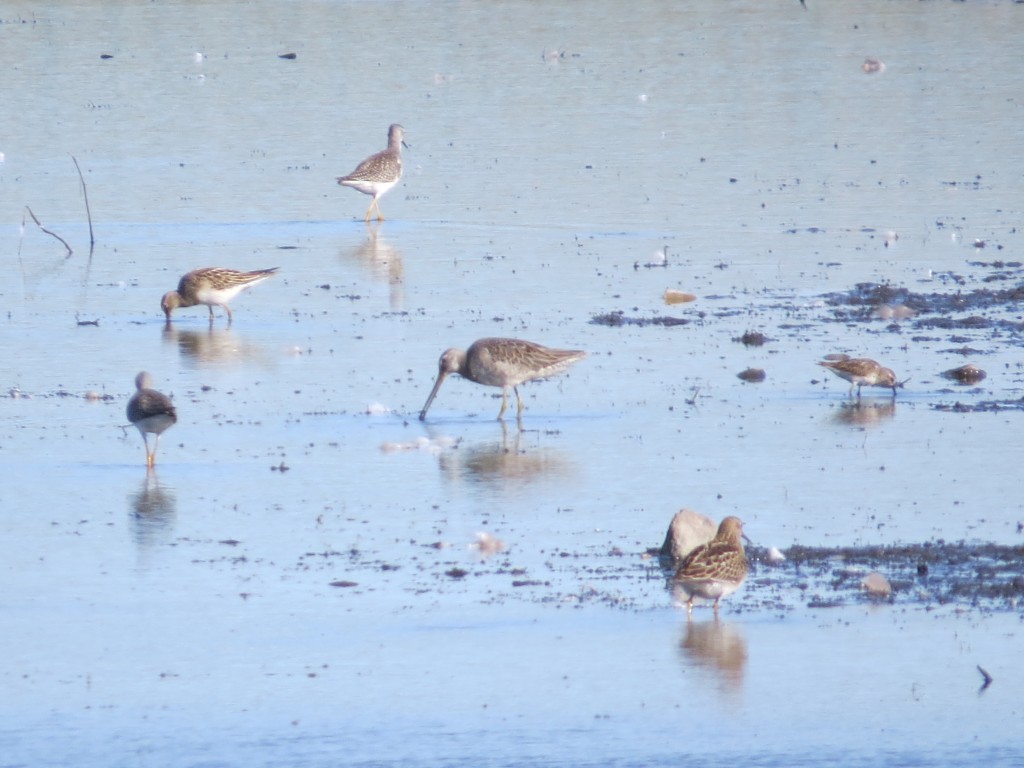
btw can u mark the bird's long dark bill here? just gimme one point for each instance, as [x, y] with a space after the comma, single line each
[433, 394]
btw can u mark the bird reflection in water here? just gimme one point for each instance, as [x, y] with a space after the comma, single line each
[495, 463]
[214, 346]
[384, 263]
[718, 647]
[866, 412]
[152, 512]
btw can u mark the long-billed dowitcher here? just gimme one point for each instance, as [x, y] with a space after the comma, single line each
[860, 371]
[504, 363]
[716, 569]
[151, 412]
[379, 172]
[212, 286]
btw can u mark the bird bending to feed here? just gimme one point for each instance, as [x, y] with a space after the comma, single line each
[860, 371]
[212, 286]
[716, 569]
[380, 172]
[504, 363]
[151, 412]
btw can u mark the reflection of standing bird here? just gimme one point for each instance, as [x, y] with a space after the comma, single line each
[380, 172]
[151, 412]
[716, 569]
[212, 286]
[504, 363]
[860, 371]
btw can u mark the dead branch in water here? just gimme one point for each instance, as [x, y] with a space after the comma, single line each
[52, 234]
[88, 213]
[987, 678]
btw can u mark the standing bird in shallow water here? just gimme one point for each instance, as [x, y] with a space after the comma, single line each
[716, 569]
[860, 371]
[380, 172]
[151, 412]
[504, 363]
[212, 286]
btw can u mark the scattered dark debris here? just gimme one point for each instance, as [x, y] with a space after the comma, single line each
[964, 351]
[344, 584]
[282, 467]
[230, 542]
[752, 375]
[287, 56]
[965, 374]
[618, 318]
[987, 406]
[457, 573]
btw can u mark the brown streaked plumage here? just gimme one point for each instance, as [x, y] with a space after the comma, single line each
[379, 172]
[212, 286]
[860, 371]
[716, 569]
[151, 412]
[504, 363]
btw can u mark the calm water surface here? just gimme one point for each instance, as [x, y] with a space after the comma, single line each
[190, 617]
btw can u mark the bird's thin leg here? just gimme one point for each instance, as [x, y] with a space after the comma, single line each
[504, 403]
[228, 310]
[376, 203]
[145, 442]
[519, 400]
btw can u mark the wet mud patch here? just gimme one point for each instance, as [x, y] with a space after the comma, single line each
[993, 312]
[618, 318]
[986, 406]
[928, 575]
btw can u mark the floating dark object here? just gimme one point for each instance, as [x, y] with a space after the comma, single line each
[287, 56]
[752, 339]
[752, 375]
[966, 374]
[872, 66]
[344, 584]
[106, 55]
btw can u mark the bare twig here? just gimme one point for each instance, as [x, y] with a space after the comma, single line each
[986, 676]
[88, 213]
[52, 234]
[693, 400]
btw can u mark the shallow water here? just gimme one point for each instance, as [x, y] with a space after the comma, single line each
[190, 616]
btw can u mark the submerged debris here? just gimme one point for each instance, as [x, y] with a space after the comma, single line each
[752, 339]
[965, 374]
[752, 375]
